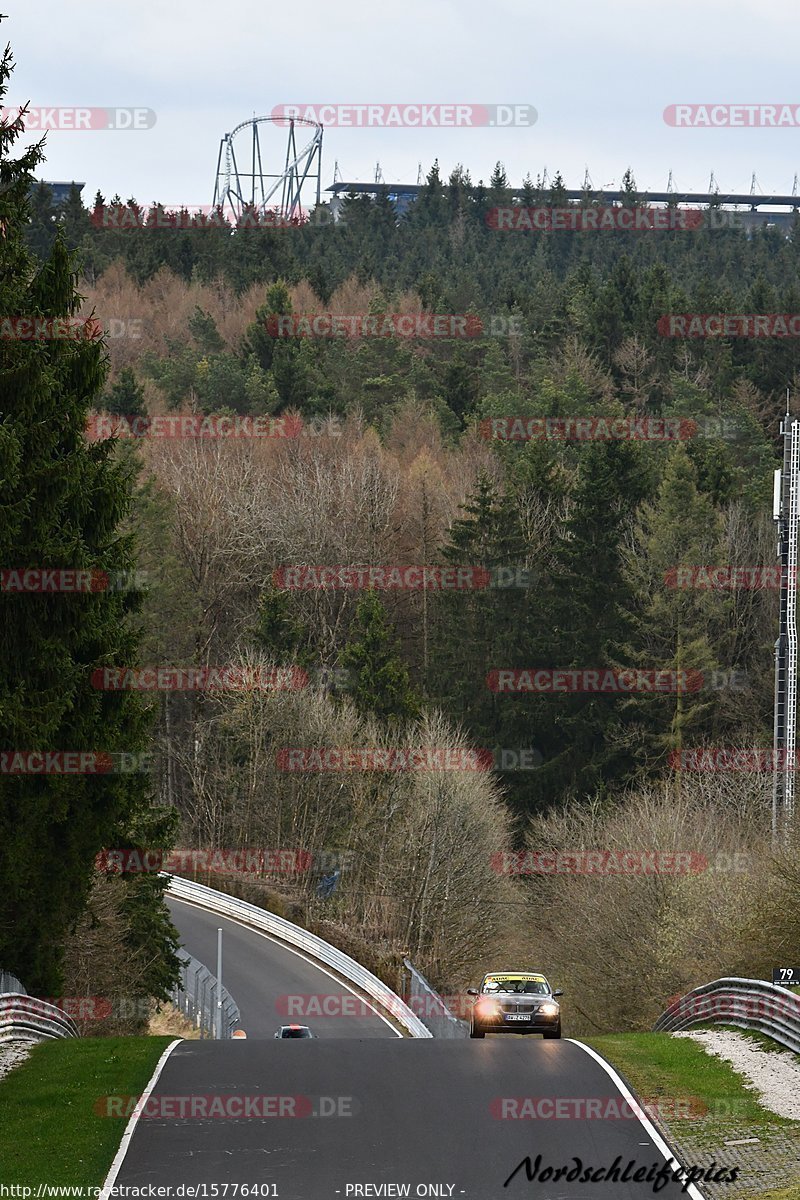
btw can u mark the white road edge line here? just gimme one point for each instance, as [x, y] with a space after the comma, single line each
[277, 942]
[642, 1118]
[119, 1157]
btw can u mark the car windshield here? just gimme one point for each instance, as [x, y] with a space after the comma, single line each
[527, 987]
[292, 1033]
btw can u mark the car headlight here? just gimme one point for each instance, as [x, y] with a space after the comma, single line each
[487, 1008]
[550, 1009]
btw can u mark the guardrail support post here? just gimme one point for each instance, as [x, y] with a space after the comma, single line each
[218, 1032]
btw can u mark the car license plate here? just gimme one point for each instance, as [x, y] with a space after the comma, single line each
[518, 1017]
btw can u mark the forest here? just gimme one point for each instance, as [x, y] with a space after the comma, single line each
[534, 540]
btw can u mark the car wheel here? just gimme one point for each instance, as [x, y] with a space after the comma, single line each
[477, 1033]
[553, 1033]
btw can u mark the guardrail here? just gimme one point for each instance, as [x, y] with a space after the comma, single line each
[293, 935]
[431, 1009]
[23, 1018]
[196, 997]
[747, 1003]
[10, 983]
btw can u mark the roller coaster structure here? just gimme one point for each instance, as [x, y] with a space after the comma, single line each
[237, 189]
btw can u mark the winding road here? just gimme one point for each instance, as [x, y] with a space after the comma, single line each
[362, 1112]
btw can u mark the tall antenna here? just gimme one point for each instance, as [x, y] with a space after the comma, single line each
[786, 512]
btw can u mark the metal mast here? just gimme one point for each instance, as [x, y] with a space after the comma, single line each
[786, 512]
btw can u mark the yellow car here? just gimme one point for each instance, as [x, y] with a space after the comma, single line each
[515, 1002]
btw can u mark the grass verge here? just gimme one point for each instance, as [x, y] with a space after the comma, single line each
[703, 1106]
[49, 1130]
[678, 1074]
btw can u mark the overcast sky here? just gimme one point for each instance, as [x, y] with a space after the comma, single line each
[598, 74]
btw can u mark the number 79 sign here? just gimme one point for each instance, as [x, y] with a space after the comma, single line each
[786, 975]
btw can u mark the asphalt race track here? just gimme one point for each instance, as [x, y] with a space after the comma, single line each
[258, 971]
[363, 1113]
[406, 1112]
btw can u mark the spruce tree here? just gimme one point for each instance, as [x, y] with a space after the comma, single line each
[126, 397]
[674, 628]
[62, 502]
[379, 681]
[591, 602]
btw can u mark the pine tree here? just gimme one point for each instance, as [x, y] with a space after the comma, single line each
[279, 631]
[558, 192]
[498, 185]
[379, 681]
[62, 500]
[257, 340]
[203, 329]
[630, 197]
[591, 602]
[674, 628]
[126, 397]
[491, 626]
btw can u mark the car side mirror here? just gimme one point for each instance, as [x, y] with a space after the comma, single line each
[472, 991]
[558, 992]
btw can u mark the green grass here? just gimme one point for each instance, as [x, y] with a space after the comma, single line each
[659, 1066]
[49, 1130]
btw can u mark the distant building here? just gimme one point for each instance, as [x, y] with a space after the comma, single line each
[61, 190]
